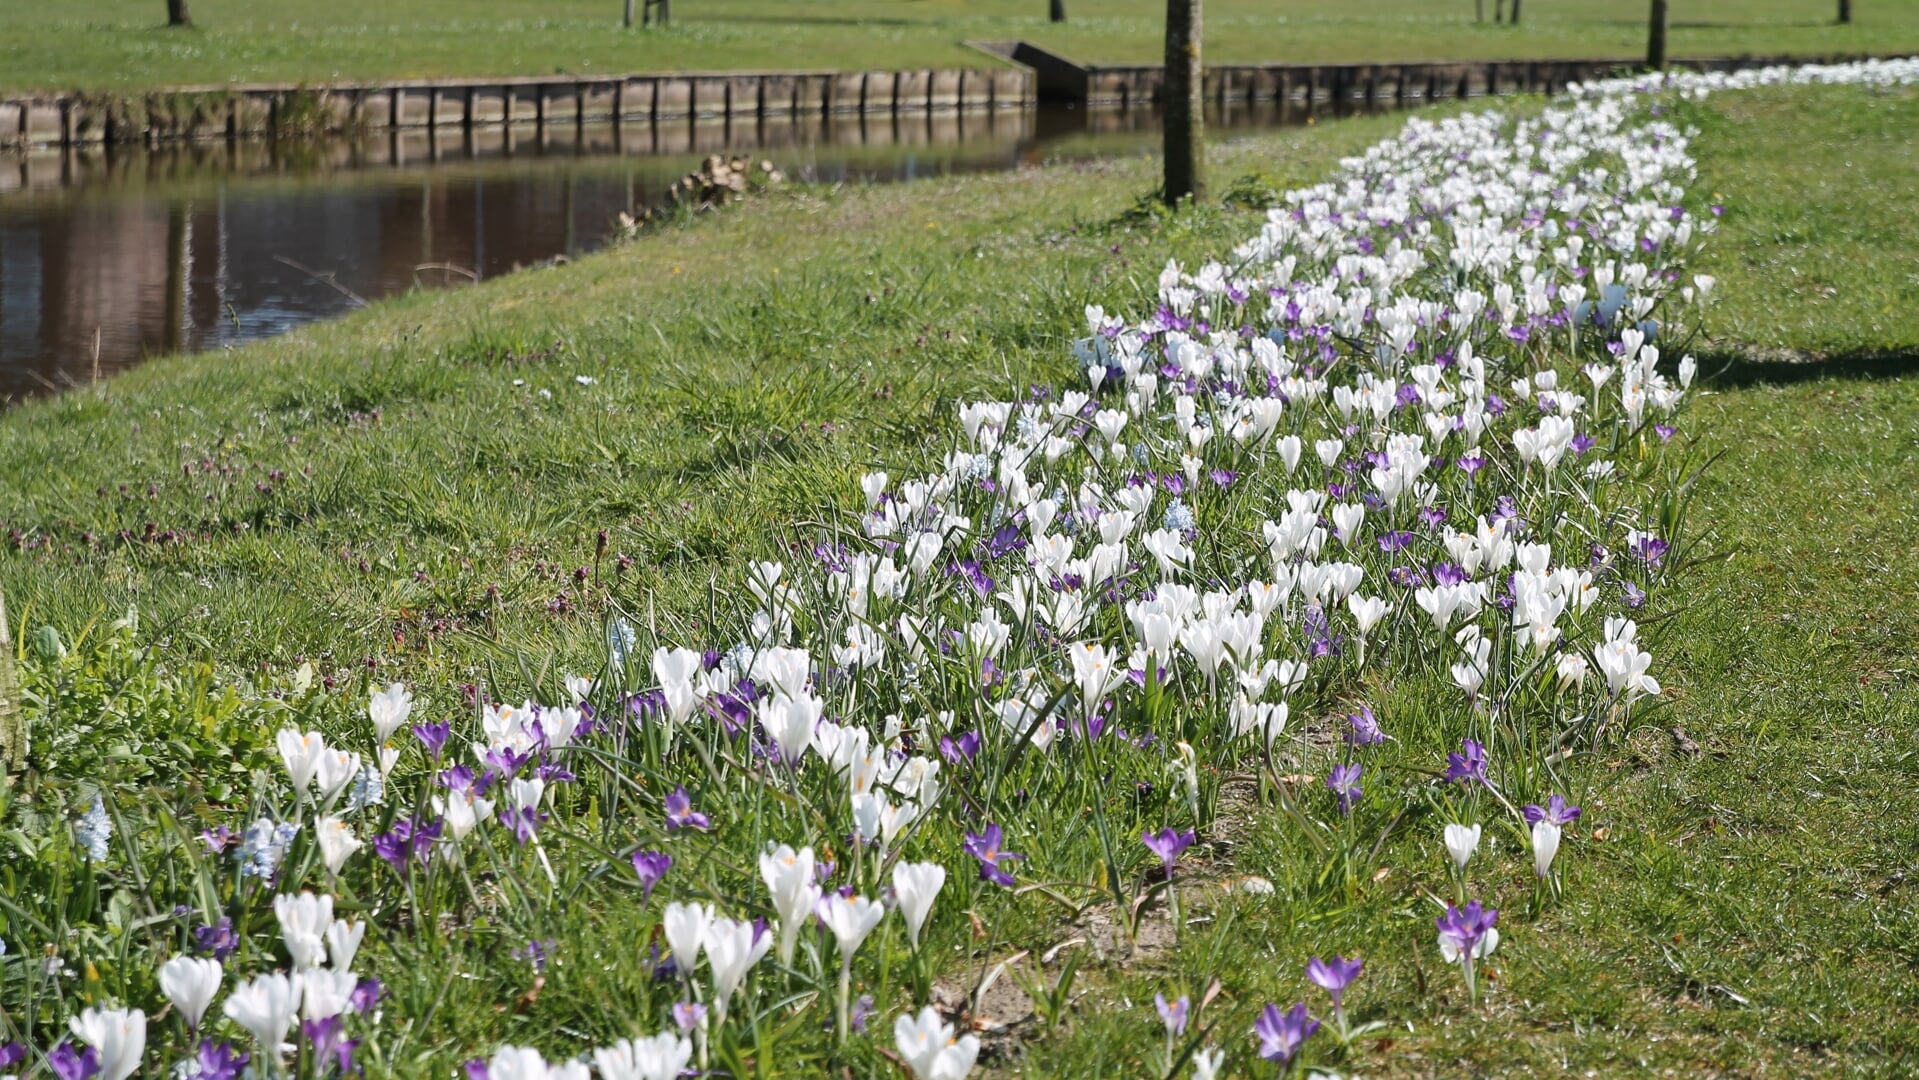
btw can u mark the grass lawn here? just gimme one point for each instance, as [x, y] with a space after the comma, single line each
[411, 489]
[123, 44]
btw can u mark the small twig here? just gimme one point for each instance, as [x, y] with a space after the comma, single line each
[448, 268]
[324, 279]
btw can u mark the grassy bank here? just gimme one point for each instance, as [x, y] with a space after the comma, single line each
[122, 44]
[414, 489]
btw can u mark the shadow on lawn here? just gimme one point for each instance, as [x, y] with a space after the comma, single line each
[1728, 369]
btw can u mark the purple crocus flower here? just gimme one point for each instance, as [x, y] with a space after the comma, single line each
[524, 821]
[12, 1054]
[366, 995]
[1364, 728]
[680, 813]
[1334, 976]
[1173, 1014]
[476, 1069]
[219, 940]
[218, 1061]
[69, 1062]
[326, 1038]
[1344, 782]
[1281, 1034]
[1394, 542]
[651, 866]
[1462, 929]
[1634, 596]
[1169, 843]
[689, 1015]
[862, 1010]
[1468, 766]
[1555, 811]
[963, 748]
[433, 736]
[985, 846]
[218, 839]
[1650, 550]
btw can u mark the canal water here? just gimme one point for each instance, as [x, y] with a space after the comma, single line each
[109, 256]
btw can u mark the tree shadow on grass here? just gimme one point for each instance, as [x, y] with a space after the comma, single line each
[1730, 370]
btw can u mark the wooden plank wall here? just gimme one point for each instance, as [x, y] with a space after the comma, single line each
[232, 112]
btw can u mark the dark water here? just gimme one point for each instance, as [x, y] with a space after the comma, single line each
[111, 256]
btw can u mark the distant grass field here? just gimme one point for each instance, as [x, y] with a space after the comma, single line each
[1740, 900]
[122, 44]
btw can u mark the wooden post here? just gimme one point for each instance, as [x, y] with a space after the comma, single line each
[1656, 37]
[1184, 105]
[1845, 11]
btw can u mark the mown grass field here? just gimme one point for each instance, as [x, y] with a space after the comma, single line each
[124, 44]
[398, 492]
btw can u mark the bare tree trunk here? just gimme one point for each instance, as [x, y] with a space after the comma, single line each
[1056, 11]
[1515, 19]
[1183, 105]
[627, 20]
[1656, 37]
[1845, 11]
[1479, 10]
[177, 13]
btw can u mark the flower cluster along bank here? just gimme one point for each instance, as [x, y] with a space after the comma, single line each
[1359, 518]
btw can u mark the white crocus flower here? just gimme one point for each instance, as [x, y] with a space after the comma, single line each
[119, 1036]
[1461, 842]
[662, 1057]
[337, 842]
[732, 948]
[265, 1008]
[304, 920]
[301, 754]
[343, 942]
[685, 932]
[917, 885]
[190, 983]
[389, 709]
[523, 1063]
[928, 1046]
[1545, 845]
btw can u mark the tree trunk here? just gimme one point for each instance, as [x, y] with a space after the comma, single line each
[1515, 12]
[177, 13]
[627, 20]
[1479, 10]
[1656, 37]
[1056, 11]
[1845, 11]
[1183, 105]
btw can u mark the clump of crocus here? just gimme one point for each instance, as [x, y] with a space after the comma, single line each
[1466, 936]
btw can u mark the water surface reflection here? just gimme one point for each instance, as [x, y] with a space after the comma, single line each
[111, 255]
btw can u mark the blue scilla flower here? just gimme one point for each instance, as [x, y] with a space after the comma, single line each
[94, 830]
